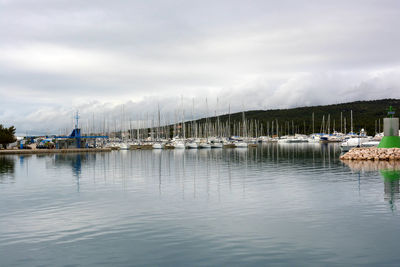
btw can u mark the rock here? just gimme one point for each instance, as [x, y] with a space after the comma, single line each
[377, 154]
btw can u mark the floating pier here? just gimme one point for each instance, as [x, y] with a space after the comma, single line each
[229, 146]
[143, 147]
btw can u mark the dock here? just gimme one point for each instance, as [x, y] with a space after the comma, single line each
[143, 147]
[51, 151]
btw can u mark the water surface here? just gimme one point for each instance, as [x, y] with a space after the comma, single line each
[293, 204]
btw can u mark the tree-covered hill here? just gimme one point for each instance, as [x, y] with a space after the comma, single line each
[366, 114]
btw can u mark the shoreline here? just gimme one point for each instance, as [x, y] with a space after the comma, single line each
[372, 154]
[51, 151]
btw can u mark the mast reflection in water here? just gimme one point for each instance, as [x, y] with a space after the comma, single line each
[390, 172]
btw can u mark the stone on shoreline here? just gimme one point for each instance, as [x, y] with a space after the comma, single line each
[372, 153]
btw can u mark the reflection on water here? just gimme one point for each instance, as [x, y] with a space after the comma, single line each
[372, 166]
[390, 172]
[6, 168]
[391, 178]
[75, 161]
[185, 166]
[277, 204]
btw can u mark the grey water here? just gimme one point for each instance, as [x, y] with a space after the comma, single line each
[277, 204]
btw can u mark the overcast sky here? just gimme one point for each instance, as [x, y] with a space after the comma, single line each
[57, 56]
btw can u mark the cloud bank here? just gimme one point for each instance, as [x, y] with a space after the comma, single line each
[125, 58]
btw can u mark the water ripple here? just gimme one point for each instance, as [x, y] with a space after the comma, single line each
[276, 204]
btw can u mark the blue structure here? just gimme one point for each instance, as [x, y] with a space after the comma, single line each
[76, 134]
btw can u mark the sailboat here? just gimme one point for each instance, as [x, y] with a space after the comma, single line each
[158, 144]
[242, 143]
[204, 143]
[191, 144]
[178, 144]
[217, 142]
[354, 140]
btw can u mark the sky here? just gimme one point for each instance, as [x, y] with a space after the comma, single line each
[124, 59]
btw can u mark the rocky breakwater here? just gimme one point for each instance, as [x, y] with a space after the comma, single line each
[372, 153]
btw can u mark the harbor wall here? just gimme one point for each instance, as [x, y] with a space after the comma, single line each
[372, 153]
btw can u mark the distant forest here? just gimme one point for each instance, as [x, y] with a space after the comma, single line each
[366, 114]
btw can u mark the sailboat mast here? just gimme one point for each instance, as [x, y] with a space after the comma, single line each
[244, 124]
[159, 122]
[229, 120]
[313, 123]
[341, 122]
[351, 121]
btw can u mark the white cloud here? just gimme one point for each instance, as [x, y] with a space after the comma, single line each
[257, 93]
[58, 56]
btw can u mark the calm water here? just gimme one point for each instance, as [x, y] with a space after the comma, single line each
[294, 204]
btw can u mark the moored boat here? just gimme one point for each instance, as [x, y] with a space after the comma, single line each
[157, 146]
[204, 145]
[191, 145]
[179, 145]
[241, 144]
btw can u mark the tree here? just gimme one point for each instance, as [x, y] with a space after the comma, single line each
[7, 135]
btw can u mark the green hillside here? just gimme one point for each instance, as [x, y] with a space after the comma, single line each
[366, 114]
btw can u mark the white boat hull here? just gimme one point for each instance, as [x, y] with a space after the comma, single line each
[216, 145]
[179, 146]
[241, 145]
[191, 146]
[353, 142]
[204, 145]
[157, 146]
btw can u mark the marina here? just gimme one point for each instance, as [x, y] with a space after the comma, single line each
[299, 202]
[199, 133]
[206, 133]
